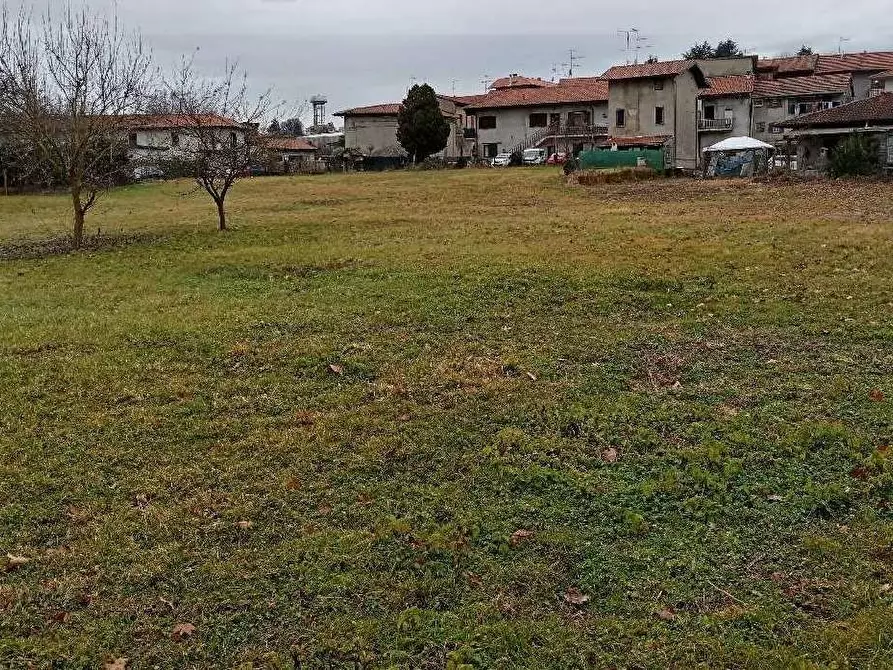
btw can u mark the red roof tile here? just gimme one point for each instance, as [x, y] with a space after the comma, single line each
[636, 141]
[812, 85]
[884, 75]
[876, 109]
[286, 143]
[728, 86]
[860, 62]
[387, 109]
[517, 81]
[669, 68]
[789, 65]
[559, 94]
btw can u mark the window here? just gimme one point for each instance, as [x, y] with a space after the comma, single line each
[776, 130]
[132, 140]
[487, 123]
[659, 116]
[776, 102]
[539, 120]
[658, 84]
[761, 127]
[175, 139]
[709, 112]
[792, 107]
[554, 120]
[758, 102]
[491, 150]
[233, 140]
[620, 117]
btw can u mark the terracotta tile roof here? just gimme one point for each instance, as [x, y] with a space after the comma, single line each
[170, 121]
[811, 85]
[873, 110]
[860, 62]
[580, 81]
[728, 86]
[789, 65]
[387, 109]
[596, 91]
[517, 81]
[668, 68]
[637, 141]
[884, 75]
[286, 143]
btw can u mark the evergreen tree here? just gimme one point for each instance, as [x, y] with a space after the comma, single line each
[293, 127]
[421, 128]
[274, 128]
[805, 50]
[727, 49]
[701, 51]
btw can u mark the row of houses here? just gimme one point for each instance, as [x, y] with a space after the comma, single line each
[680, 106]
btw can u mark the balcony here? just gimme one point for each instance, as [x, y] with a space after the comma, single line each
[715, 125]
[470, 133]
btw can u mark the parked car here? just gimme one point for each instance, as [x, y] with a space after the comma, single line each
[534, 156]
[557, 159]
[502, 160]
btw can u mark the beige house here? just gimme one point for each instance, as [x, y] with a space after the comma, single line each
[724, 109]
[521, 113]
[778, 100]
[372, 131]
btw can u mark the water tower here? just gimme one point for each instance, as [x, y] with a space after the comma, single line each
[319, 103]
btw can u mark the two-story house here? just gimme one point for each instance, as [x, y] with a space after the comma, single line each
[160, 136]
[725, 109]
[372, 130]
[568, 116]
[779, 100]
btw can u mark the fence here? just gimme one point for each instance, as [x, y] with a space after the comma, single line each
[600, 159]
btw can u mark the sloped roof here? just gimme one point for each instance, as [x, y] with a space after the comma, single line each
[667, 68]
[278, 143]
[810, 85]
[789, 65]
[728, 86]
[387, 109]
[877, 109]
[884, 75]
[636, 141]
[173, 121]
[594, 91]
[517, 81]
[856, 62]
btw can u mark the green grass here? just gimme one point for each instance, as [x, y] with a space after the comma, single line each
[501, 338]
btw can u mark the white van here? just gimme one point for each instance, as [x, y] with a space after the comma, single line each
[534, 156]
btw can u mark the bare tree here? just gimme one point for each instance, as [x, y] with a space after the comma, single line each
[219, 125]
[69, 80]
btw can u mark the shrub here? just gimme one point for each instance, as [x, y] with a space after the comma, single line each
[516, 160]
[857, 155]
[461, 163]
[571, 166]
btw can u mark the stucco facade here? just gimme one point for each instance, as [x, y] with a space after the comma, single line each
[515, 127]
[735, 108]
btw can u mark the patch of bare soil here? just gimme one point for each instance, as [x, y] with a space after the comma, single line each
[14, 250]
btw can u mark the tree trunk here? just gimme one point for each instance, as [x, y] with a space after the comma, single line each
[221, 215]
[78, 236]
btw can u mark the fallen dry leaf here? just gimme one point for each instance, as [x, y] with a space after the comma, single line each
[116, 664]
[876, 395]
[15, 562]
[775, 498]
[61, 617]
[520, 536]
[610, 455]
[575, 596]
[293, 484]
[245, 525]
[336, 369]
[182, 631]
[531, 376]
[325, 510]
[667, 614]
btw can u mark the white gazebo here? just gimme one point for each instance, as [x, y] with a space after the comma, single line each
[737, 157]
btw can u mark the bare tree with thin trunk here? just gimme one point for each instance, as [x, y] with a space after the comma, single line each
[219, 123]
[70, 78]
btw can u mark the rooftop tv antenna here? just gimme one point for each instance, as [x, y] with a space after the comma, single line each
[840, 41]
[574, 59]
[486, 81]
[634, 43]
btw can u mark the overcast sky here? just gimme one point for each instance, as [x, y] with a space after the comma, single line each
[360, 52]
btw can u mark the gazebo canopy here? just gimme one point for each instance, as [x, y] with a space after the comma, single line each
[738, 144]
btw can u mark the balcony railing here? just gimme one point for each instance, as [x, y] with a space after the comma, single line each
[578, 130]
[715, 124]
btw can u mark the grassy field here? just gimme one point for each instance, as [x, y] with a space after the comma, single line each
[470, 419]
